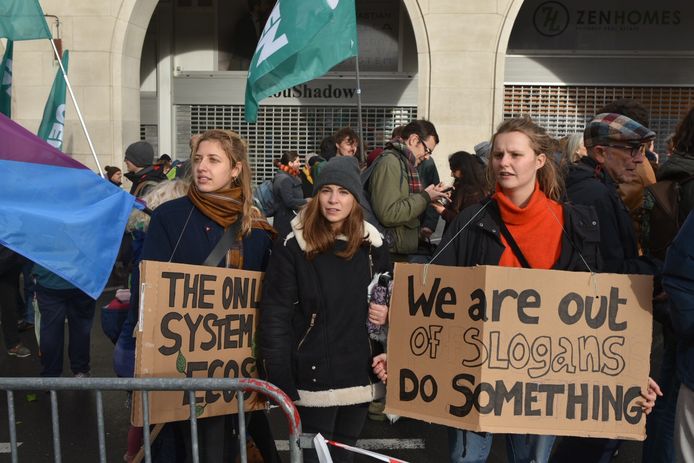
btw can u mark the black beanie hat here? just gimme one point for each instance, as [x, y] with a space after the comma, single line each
[111, 171]
[140, 153]
[342, 171]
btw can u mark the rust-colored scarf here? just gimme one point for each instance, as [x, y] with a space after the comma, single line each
[224, 207]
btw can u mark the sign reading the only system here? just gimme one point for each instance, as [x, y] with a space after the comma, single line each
[195, 322]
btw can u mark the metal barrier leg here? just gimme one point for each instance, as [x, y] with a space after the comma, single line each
[145, 426]
[56, 427]
[13, 426]
[242, 428]
[100, 426]
[194, 450]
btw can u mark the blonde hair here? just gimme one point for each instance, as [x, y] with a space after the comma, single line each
[158, 195]
[570, 145]
[551, 183]
[236, 150]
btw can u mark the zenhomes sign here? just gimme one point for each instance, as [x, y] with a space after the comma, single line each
[603, 26]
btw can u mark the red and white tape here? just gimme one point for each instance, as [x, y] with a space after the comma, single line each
[321, 445]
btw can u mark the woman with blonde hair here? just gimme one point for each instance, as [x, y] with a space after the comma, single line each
[186, 230]
[314, 310]
[523, 224]
[572, 149]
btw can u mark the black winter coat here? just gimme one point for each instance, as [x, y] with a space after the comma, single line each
[144, 180]
[10, 261]
[618, 246]
[314, 340]
[289, 198]
[680, 166]
[480, 243]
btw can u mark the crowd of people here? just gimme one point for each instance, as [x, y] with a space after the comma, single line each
[341, 220]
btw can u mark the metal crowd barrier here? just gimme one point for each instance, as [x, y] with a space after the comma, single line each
[153, 384]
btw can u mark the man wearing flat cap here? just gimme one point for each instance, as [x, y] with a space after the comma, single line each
[616, 144]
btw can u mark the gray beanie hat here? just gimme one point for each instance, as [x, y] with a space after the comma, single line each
[140, 153]
[342, 171]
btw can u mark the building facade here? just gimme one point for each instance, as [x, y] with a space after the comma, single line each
[162, 70]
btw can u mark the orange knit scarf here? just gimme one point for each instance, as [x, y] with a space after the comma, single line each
[537, 229]
[290, 170]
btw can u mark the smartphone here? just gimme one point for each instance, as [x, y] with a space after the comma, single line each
[450, 188]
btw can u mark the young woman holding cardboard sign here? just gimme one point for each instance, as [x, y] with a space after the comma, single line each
[314, 310]
[523, 224]
[217, 209]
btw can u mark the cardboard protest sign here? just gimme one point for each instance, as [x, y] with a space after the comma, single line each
[196, 322]
[510, 350]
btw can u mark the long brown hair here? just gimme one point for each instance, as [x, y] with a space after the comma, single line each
[236, 150]
[551, 183]
[319, 235]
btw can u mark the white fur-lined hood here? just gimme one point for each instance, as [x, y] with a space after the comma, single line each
[371, 233]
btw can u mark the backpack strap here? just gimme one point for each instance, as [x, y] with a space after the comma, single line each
[366, 175]
[494, 213]
[226, 242]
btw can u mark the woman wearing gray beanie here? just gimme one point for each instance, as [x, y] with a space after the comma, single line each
[314, 311]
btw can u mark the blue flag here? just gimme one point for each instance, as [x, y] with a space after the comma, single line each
[58, 213]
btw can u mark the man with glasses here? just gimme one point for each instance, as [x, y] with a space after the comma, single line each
[631, 192]
[616, 145]
[396, 193]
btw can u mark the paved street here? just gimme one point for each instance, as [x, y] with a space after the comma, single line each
[407, 439]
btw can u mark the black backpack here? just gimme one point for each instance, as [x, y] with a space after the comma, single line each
[662, 204]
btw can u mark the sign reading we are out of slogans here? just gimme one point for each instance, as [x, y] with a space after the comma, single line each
[195, 321]
[512, 350]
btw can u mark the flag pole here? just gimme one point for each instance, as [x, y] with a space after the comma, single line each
[360, 127]
[77, 108]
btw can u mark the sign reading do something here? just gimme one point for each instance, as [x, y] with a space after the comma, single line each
[513, 350]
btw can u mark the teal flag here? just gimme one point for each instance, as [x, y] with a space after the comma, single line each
[6, 80]
[53, 122]
[302, 40]
[23, 20]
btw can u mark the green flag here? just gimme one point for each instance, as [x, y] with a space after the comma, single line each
[53, 121]
[302, 40]
[6, 81]
[23, 20]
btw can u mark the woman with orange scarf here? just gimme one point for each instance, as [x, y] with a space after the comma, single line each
[186, 230]
[523, 224]
[289, 195]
